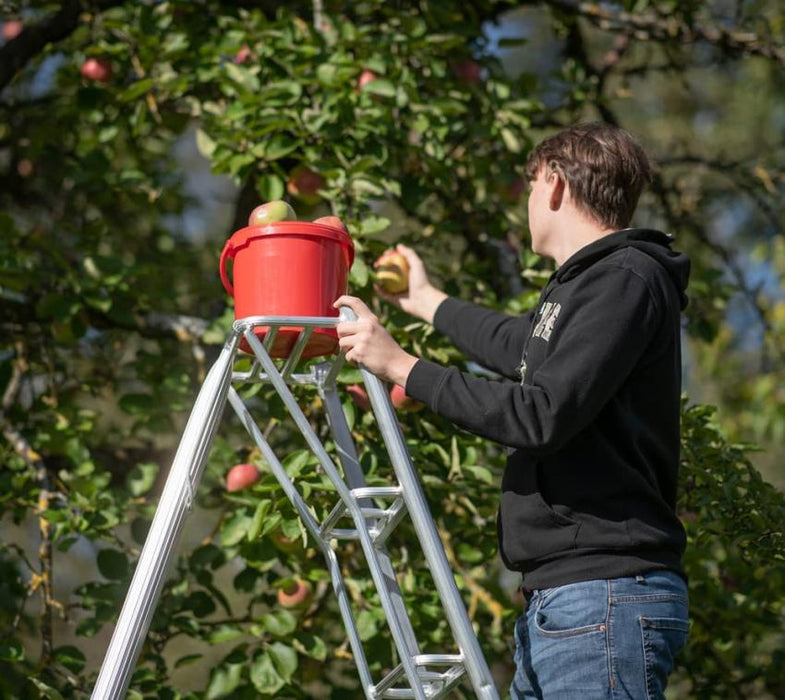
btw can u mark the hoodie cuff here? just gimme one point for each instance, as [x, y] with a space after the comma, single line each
[424, 382]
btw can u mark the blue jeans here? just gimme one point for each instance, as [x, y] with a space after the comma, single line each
[611, 638]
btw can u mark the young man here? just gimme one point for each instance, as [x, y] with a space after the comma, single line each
[587, 511]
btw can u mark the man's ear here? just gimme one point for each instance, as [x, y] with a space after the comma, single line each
[557, 189]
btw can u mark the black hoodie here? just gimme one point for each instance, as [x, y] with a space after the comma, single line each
[591, 414]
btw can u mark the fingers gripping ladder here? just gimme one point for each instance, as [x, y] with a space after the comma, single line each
[418, 675]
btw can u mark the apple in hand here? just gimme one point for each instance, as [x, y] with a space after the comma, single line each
[392, 272]
[402, 401]
[241, 476]
[268, 213]
[97, 69]
[304, 183]
[359, 396]
[333, 221]
[297, 594]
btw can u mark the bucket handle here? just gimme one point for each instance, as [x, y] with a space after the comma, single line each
[227, 252]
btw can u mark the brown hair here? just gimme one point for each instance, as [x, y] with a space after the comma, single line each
[604, 165]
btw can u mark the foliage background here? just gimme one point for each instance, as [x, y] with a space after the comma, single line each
[111, 308]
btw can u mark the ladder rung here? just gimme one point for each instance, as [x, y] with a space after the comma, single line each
[434, 683]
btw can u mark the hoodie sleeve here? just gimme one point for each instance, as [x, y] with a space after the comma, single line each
[603, 328]
[490, 338]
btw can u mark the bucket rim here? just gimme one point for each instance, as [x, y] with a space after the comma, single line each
[242, 237]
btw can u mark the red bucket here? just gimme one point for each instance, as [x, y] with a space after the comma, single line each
[288, 268]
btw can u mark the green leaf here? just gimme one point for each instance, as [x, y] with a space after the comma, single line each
[366, 625]
[284, 658]
[70, 657]
[243, 76]
[235, 528]
[279, 623]
[11, 650]
[137, 404]
[204, 144]
[46, 691]
[142, 477]
[381, 87]
[112, 564]
[224, 680]
[310, 645]
[270, 187]
[262, 508]
[358, 275]
[264, 676]
[187, 660]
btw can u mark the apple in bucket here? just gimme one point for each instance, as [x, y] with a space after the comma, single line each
[333, 221]
[270, 212]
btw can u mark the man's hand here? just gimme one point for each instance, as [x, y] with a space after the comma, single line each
[366, 342]
[421, 299]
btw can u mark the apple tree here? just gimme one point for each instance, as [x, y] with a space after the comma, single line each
[409, 123]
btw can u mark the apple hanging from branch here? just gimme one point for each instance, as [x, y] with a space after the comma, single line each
[297, 594]
[402, 401]
[98, 70]
[241, 476]
[304, 184]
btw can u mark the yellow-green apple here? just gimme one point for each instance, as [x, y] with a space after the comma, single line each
[402, 401]
[333, 221]
[297, 594]
[304, 183]
[241, 476]
[268, 213]
[97, 69]
[392, 272]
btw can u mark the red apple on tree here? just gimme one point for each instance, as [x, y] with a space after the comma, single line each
[333, 221]
[267, 213]
[365, 77]
[12, 29]
[392, 272]
[241, 476]
[402, 401]
[467, 71]
[243, 54]
[304, 183]
[297, 594]
[98, 70]
[359, 396]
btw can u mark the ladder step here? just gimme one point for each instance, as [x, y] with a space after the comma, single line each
[380, 522]
[434, 684]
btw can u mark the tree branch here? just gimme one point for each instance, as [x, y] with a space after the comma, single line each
[671, 29]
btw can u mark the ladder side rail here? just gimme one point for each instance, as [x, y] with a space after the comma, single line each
[433, 549]
[160, 545]
[356, 478]
[313, 526]
[377, 574]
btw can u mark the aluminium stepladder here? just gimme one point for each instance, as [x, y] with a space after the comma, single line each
[417, 675]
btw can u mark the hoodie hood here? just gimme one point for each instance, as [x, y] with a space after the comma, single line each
[655, 244]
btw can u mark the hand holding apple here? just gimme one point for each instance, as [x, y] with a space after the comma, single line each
[366, 342]
[421, 298]
[392, 272]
